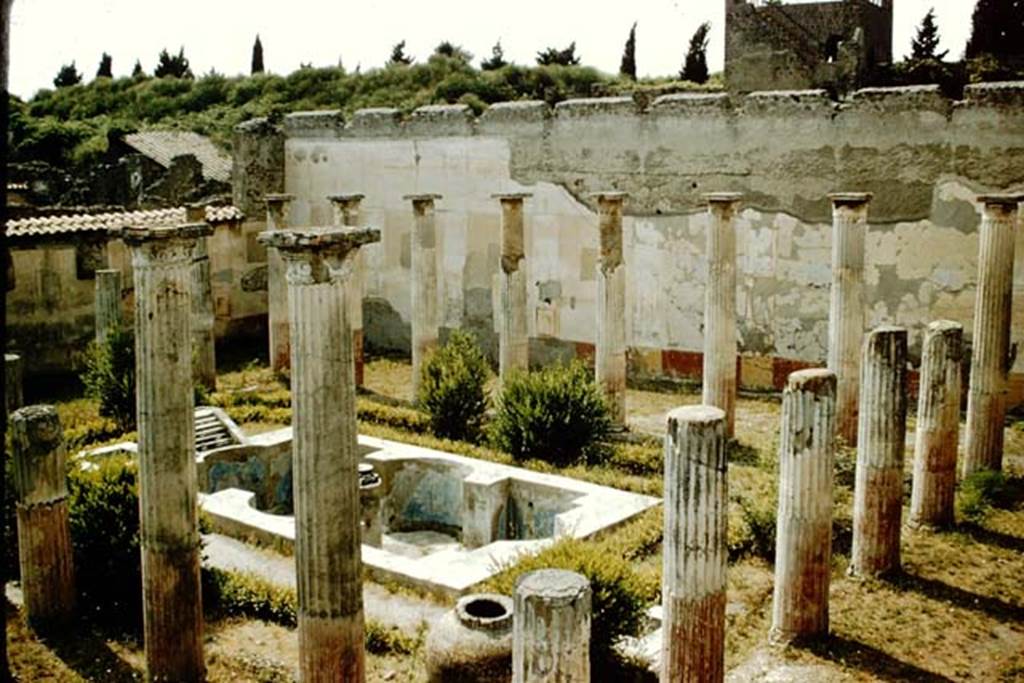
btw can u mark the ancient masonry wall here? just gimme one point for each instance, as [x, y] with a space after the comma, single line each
[924, 157]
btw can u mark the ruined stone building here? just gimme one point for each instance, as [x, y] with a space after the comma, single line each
[788, 45]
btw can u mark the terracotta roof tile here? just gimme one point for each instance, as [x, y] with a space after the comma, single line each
[102, 222]
[163, 145]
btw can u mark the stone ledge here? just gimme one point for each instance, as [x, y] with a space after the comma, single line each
[911, 98]
[995, 94]
[375, 122]
[789, 103]
[441, 119]
[692, 104]
[328, 123]
[590, 106]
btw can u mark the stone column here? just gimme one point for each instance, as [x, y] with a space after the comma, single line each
[990, 358]
[324, 452]
[171, 602]
[13, 398]
[44, 538]
[610, 351]
[513, 334]
[938, 425]
[346, 213]
[694, 556]
[108, 303]
[719, 377]
[277, 288]
[551, 628]
[881, 435]
[424, 284]
[846, 309]
[204, 357]
[803, 550]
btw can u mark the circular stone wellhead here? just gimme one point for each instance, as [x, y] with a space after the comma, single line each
[472, 642]
[485, 611]
[368, 476]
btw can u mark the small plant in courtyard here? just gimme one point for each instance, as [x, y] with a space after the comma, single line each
[109, 376]
[557, 414]
[979, 493]
[452, 388]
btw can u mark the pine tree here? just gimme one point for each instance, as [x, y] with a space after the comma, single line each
[257, 56]
[628, 66]
[176, 66]
[137, 71]
[552, 55]
[997, 29]
[448, 49]
[925, 44]
[497, 59]
[67, 76]
[106, 67]
[398, 56]
[696, 66]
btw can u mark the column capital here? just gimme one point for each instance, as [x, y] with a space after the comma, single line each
[722, 197]
[1008, 200]
[346, 198]
[511, 196]
[278, 198]
[609, 196]
[425, 197]
[336, 241]
[134, 236]
[852, 199]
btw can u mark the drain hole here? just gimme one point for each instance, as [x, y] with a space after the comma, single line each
[485, 609]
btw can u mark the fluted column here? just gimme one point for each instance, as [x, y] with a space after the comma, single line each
[324, 453]
[346, 209]
[13, 398]
[881, 435]
[938, 425]
[172, 608]
[551, 628]
[424, 283]
[108, 303]
[44, 538]
[803, 549]
[846, 310]
[204, 356]
[277, 288]
[990, 358]
[694, 557]
[610, 351]
[513, 335]
[719, 376]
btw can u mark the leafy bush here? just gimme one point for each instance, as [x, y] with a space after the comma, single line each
[452, 388]
[109, 376]
[557, 414]
[979, 492]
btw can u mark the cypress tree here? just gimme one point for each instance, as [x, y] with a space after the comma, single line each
[696, 66]
[627, 67]
[106, 67]
[257, 56]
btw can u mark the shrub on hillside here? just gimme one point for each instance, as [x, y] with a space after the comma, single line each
[109, 376]
[452, 388]
[557, 414]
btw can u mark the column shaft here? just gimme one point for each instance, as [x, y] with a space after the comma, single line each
[719, 374]
[846, 310]
[610, 351]
[277, 287]
[803, 550]
[347, 213]
[993, 308]
[513, 337]
[938, 426]
[108, 303]
[424, 285]
[694, 556]
[12, 383]
[551, 628]
[882, 425]
[204, 357]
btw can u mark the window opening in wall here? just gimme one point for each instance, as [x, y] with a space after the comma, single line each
[832, 48]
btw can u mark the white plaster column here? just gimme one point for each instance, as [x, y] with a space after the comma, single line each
[846, 309]
[990, 356]
[803, 549]
[424, 312]
[172, 606]
[938, 425]
[204, 355]
[277, 288]
[695, 550]
[44, 537]
[346, 209]
[719, 375]
[325, 456]
[513, 334]
[551, 628]
[108, 303]
[610, 351]
[882, 427]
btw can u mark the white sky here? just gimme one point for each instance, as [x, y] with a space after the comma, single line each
[219, 33]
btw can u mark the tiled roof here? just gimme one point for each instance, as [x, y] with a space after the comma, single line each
[102, 222]
[163, 145]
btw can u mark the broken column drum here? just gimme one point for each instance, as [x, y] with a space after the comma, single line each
[803, 550]
[882, 425]
[694, 555]
[938, 425]
[513, 339]
[990, 358]
[610, 351]
[551, 627]
[44, 537]
[472, 643]
[719, 376]
[324, 451]
[277, 288]
[169, 532]
[108, 303]
[846, 309]
[346, 209]
[424, 283]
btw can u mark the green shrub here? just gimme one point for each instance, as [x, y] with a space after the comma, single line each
[557, 414]
[979, 492]
[406, 419]
[109, 376]
[452, 389]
